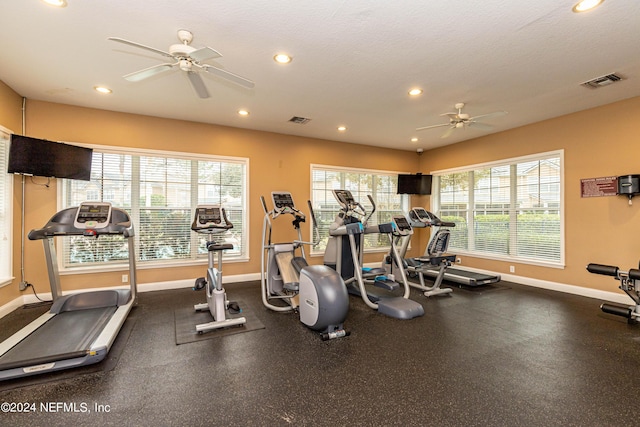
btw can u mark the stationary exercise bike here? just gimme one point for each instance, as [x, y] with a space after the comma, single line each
[629, 283]
[212, 220]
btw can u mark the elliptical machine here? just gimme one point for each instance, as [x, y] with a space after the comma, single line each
[344, 253]
[629, 283]
[315, 291]
[211, 220]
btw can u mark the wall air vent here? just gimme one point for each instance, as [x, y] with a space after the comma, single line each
[602, 81]
[299, 120]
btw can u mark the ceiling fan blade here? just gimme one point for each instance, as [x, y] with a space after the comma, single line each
[482, 126]
[134, 44]
[204, 53]
[229, 76]
[433, 126]
[198, 84]
[136, 76]
[494, 114]
[448, 132]
[452, 116]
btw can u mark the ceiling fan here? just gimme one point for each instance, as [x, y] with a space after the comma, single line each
[460, 120]
[188, 59]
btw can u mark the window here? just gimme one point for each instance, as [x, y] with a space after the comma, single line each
[511, 210]
[380, 185]
[160, 191]
[6, 186]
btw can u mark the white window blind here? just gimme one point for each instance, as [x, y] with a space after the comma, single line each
[381, 185]
[511, 209]
[6, 223]
[160, 191]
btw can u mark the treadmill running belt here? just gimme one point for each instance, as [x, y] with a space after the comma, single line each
[66, 333]
[465, 277]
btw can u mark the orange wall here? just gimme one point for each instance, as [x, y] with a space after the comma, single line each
[276, 162]
[597, 142]
[603, 141]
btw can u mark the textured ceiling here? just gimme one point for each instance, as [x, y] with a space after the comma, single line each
[353, 61]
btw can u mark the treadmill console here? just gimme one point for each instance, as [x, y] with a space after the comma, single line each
[93, 215]
[209, 217]
[421, 215]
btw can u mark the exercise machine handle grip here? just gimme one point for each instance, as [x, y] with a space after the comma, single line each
[607, 270]
[634, 274]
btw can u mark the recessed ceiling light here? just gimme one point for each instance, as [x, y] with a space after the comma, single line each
[342, 128]
[585, 5]
[56, 3]
[102, 89]
[282, 58]
[243, 112]
[415, 92]
[414, 139]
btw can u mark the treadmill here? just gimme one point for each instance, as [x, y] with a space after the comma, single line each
[79, 329]
[420, 217]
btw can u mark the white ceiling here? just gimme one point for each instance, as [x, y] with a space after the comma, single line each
[353, 61]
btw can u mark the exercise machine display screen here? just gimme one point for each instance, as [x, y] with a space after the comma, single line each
[422, 214]
[208, 215]
[402, 223]
[282, 200]
[344, 197]
[93, 215]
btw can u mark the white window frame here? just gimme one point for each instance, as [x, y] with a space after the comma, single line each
[511, 162]
[404, 198]
[6, 212]
[243, 256]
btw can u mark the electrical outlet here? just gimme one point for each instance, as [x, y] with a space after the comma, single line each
[512, 269]
[125, 278]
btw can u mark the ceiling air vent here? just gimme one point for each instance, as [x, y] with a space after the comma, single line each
[299, 120]
[602, 81]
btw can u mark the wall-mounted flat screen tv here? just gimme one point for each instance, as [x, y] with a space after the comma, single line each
[414, 184]
[39, 157]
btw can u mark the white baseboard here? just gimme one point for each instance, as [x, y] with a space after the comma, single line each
[615, 297]
[143, 287]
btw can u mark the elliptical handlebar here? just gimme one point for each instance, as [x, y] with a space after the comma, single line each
[373, 209]
[314, 224]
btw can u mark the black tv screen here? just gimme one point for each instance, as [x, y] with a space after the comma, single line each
[39, 157]
[414, 184]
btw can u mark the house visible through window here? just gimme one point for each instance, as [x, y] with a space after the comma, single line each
[160, 191]
[510, 210]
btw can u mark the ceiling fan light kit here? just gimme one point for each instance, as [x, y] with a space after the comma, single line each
[188, 59]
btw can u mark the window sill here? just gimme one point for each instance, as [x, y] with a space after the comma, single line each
[146, 266]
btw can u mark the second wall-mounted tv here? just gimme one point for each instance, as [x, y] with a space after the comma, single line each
[414, 184]
[39, 157]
